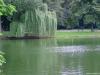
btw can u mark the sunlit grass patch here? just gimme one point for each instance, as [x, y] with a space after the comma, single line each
[76, 34]
[0, 34]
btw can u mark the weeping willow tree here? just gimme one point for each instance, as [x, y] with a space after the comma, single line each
[32, 19]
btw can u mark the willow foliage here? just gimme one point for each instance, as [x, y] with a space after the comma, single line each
[32, 19]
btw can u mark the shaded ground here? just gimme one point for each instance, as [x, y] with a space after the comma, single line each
[22, 38]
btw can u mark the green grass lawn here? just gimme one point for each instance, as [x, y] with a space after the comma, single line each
[76, 34]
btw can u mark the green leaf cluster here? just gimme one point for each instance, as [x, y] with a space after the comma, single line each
[2, 59]
[6, 9]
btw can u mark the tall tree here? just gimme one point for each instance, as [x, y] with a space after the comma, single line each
[85, 10]
[22, 6]
[57, 5]
[6, 10]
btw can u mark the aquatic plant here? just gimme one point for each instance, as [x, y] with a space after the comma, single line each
[2, 59]
[32, 19]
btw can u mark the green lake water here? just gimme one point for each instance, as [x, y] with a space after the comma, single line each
[51, 57]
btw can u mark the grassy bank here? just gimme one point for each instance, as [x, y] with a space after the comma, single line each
[61, 34]
[77, 34]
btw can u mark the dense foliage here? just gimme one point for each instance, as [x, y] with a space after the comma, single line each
[59, 7]
[6, 9]
[32, 19]
[86, 11]
[71, 12]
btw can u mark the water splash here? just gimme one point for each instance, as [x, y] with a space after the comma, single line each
[71, 49]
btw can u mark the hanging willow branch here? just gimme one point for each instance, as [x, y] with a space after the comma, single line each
[32, 19]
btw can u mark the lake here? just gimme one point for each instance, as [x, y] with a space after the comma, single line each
[51, 57]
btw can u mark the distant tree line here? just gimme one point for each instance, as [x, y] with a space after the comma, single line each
[76, 14]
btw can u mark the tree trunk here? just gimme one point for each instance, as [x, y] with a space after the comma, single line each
[81, 22]
[92, 27]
